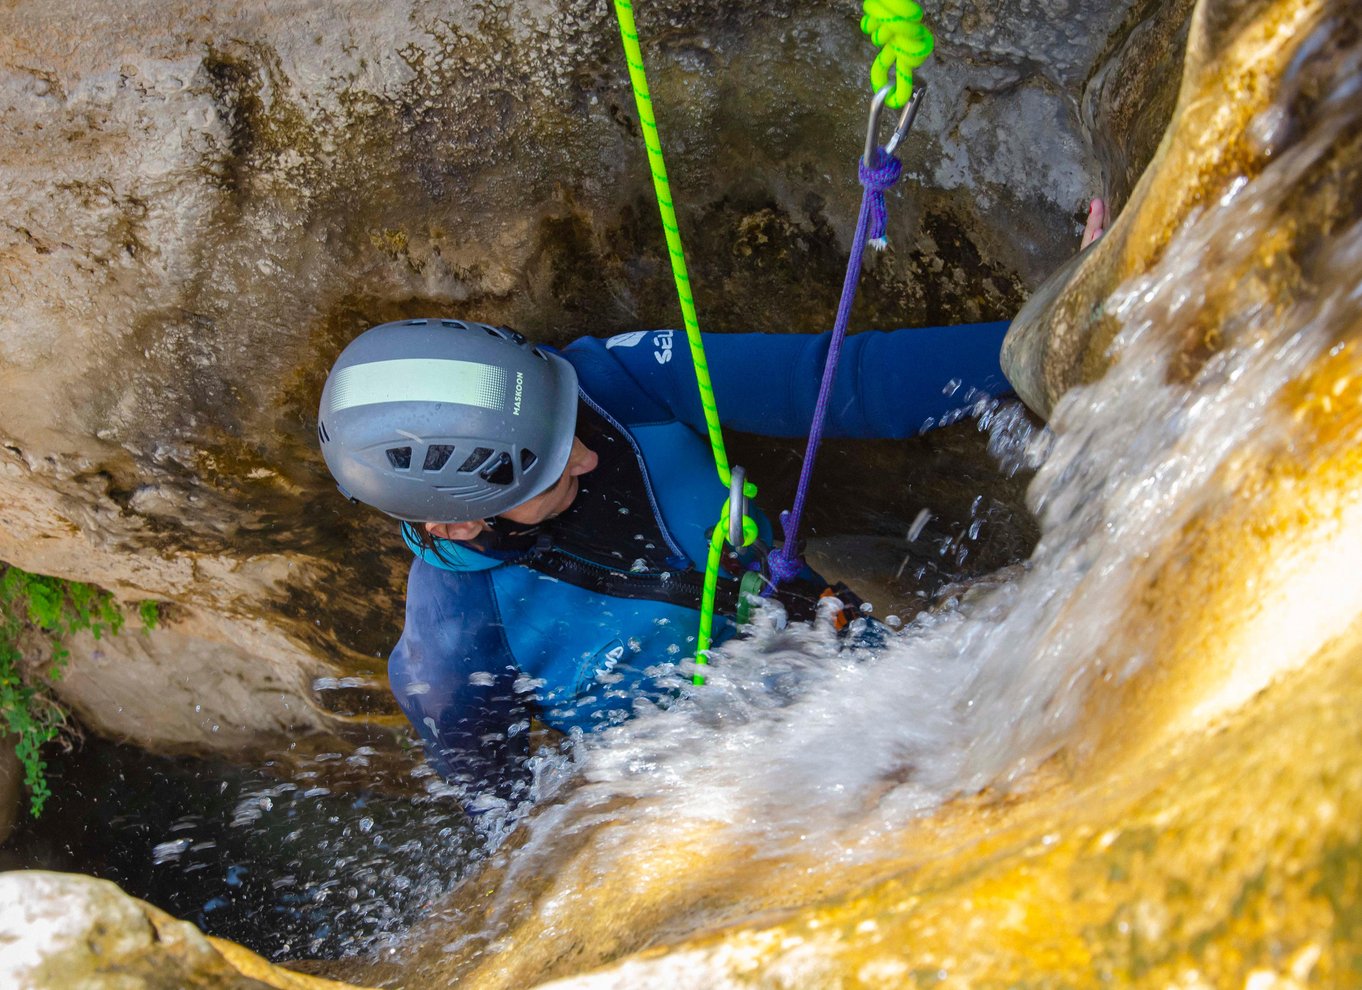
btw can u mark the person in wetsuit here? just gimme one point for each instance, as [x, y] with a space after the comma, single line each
[559, 503]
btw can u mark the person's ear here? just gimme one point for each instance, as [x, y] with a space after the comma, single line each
[456, 531]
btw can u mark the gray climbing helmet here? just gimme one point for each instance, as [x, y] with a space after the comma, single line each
[446, 421]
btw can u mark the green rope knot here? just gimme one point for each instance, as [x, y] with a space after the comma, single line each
[896, 27]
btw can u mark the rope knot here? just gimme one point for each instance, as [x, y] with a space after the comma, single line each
[783, 568]
[877, 178]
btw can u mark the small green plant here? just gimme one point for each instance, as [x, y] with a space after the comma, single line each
[54, 608]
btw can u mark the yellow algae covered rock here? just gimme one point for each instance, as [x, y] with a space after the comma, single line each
[62, 932]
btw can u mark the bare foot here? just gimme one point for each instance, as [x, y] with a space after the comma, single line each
[1097, 220]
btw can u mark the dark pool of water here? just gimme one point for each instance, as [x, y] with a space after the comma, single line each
[281, 866]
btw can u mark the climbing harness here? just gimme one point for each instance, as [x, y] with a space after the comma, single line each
[896, 26]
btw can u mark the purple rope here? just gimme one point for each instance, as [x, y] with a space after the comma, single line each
[787, 561]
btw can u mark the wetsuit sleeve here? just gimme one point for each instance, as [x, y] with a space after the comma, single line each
[889, 383]
[455, 678]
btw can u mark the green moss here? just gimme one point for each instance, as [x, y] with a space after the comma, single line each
[53, 609]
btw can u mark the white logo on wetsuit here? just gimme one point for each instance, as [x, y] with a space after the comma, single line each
[662, 340]
[626, 339]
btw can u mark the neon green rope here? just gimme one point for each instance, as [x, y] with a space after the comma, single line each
[896, 26]
[633, 55]
[662, 185]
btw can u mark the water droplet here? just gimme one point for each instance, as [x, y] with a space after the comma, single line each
[169, 852]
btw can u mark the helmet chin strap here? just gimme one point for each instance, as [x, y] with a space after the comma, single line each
[511, 542]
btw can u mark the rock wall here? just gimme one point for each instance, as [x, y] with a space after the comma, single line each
[63, 931]
[203, 202]
[1064, 337]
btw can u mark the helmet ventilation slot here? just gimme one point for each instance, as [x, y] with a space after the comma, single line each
[475, 459]
[527, 460]
[322, 435]
[499, 471]
[400, 458]
[436, 456]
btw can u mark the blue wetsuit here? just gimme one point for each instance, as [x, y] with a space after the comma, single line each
[572, 623]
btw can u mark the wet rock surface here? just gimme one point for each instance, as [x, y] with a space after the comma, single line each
[1271, 65]
[61, 931]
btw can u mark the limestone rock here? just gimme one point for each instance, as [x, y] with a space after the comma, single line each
[1234, 113]
[1129, 99]
[63, 931]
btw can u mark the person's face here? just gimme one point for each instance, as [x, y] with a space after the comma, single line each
[553, 501]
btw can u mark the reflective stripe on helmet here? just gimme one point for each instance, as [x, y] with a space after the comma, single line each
[467, 383]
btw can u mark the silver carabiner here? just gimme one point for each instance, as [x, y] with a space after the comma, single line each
[906, 118]
[737, 499]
